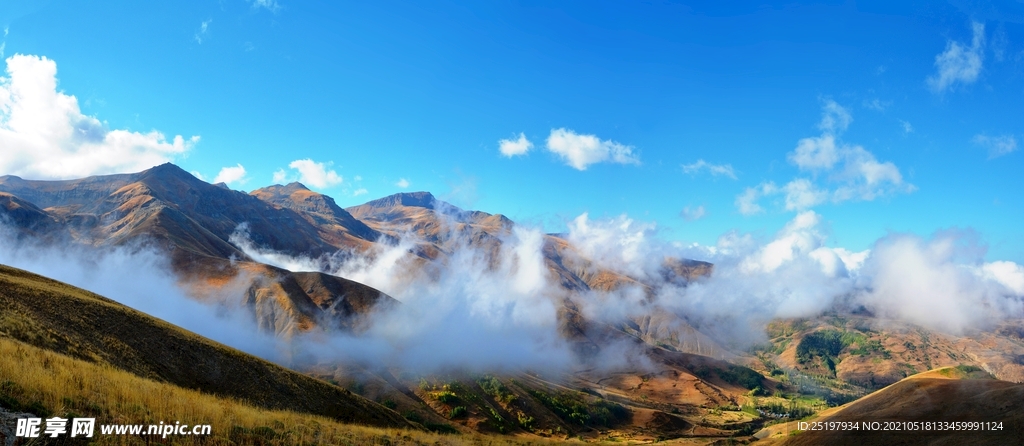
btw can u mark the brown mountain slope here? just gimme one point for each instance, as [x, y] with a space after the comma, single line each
[71, 321]
[24, 216]
[285, 302]
[334, 224]
[940, 396]
[194, 221]
[441, 226]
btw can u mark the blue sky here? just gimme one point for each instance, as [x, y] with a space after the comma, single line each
[702, 119]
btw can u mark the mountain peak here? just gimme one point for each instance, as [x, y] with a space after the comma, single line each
[166, 169]
[410, 199]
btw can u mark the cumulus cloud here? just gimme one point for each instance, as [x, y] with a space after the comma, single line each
[231, 175]
[802, 194]
[360, 191]
[941, 282]
[402, 183]
[1008, 274]
[850, 172]
[959, 63]
[44, 134]
[713, 169]
[618, 244]
[997, 145]
[815, 153]
[693, 214]
[515, 147]
[579, 151]
[929, 282]
[310, 173]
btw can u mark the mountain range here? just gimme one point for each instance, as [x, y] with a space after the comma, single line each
[221, 245]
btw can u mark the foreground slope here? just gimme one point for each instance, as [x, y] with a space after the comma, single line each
[64, 319]
[952, 394]
[42, 383]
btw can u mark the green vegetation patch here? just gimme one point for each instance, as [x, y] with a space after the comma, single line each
[573, 409]
[828, 344]
[494, 387]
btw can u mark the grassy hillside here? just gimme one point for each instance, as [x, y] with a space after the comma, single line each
[950, 394]
[64, 319]
[63, 386]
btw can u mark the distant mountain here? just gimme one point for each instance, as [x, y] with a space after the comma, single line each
[334, 225]
[167, 205]
[445, 227]
[24, 215]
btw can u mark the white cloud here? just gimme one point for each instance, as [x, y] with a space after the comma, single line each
[798, 236]
[269, 5]
[204, 27]
[360, 191]
[924, 282]
[580, 151]
[997, 145]
[854, 172]
[280, 176]
[820, 152]
[402, 183]
[619, 244]
[815, 153]
[802, 194]
[747, 202]
[907, 128]
[196, 174]
[697, 213]
[834, 117]
[44, 134]
[959, 63]
[311, 173]
[510, 148]
[230, 175]
[714, 169]
[1008, 274]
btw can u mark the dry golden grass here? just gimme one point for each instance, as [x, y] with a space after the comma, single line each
[952, 394]
[66, 386]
